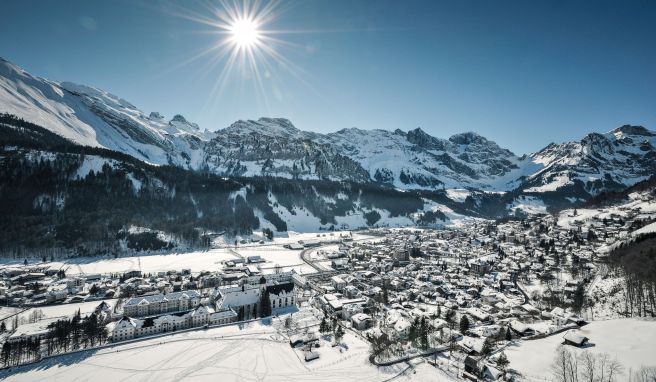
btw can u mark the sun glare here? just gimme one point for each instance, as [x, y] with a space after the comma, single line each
[244, 33]
[247, 49]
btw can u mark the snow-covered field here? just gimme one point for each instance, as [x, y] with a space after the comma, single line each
[632, 341]
[7, 311]
[52, 311]
[210, 260]
[254, 352]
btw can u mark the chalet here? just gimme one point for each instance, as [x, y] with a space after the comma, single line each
[573, 338]
[521, 329]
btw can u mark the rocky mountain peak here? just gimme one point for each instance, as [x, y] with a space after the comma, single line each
[633, 130]
[467, 138]
[155, 115]
[420, 138]
[179, 118]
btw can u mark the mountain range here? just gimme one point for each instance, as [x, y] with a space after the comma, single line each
[465, 174]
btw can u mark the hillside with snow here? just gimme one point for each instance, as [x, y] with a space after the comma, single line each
[93, 117]
[469, 167]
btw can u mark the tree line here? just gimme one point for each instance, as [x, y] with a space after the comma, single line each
[62, 336]
[636, 263]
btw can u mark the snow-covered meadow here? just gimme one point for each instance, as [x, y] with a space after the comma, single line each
[630, 341]
[274, 253]
[250, 352]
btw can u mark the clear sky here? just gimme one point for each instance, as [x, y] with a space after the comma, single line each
[523, 73]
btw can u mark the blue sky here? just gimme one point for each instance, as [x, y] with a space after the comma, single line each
[523, 73]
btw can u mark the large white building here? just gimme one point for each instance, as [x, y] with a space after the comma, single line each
[161, 303]
[128, 327]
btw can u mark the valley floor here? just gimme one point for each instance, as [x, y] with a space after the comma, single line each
[273, 253]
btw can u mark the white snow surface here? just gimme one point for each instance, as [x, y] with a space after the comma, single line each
[631, 341]
[254, 351]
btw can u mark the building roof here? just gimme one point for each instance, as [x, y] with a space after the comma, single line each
[574, 337]
[278, 288]
[143, 300]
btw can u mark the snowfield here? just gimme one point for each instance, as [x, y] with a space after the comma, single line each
[632, 341]
[250, 352]
[210, 260]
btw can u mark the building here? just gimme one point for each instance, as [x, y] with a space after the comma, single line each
[338, 283]
[161, 303]
[128, 328]
[362, 321]
[574, 339]
[281, 295]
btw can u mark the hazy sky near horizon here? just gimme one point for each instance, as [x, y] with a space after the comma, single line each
[522, 73]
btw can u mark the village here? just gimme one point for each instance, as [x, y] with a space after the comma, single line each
[456, 297]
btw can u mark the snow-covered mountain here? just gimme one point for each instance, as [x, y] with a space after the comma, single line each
[597, 163]
[92, 117]
[556, 176]
[412, 160]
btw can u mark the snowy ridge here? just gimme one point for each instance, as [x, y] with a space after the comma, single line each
[611, 161]
[555, 177]
[93, 117]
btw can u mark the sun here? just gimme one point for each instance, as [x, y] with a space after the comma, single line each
[247, 50]
[244, 32]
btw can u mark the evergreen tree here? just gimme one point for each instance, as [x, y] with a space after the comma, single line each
[502, 362]
[451, 318]
[424, 334]
[265, 304]
[579, 298]
[413, 332]
[339, 333]
[464, 324]
[6, 353]
[93, 290]
[488, 347]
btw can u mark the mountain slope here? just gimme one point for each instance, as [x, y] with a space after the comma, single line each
[599, 162]
[62, 198]
[92, 117]
[558, 176]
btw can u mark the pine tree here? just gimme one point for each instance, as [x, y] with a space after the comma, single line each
[502, 362]
[6, 352]
[413, 333]
[487, 346]
[265, 304]
[424, 333]
[464, 324]
[339, 333]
